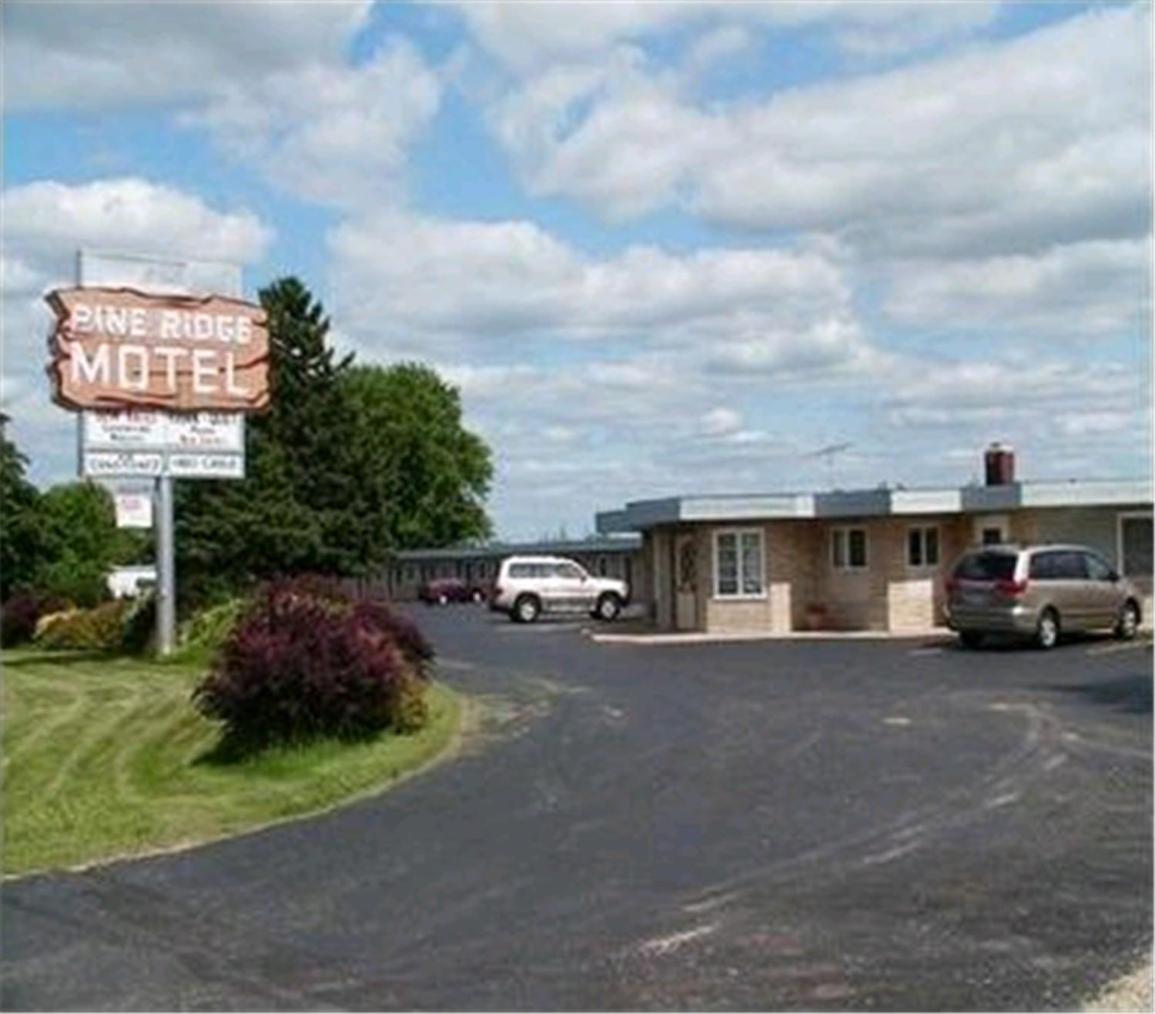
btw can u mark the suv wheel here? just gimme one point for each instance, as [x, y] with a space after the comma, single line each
[1047, 631]
[970, 638]
[526, 609]
[609, 605]
[1128, 625]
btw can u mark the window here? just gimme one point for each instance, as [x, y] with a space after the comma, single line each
[738, 564]
[1098, 569]
[922, 547]
[1059, 565]
[848, 548]
[570, 572]
[1073, 567]
[988, 567]
[992, 536]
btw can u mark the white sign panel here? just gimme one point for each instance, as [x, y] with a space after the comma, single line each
[123, 430]
[207, 431]
[133, 508]
[145, 430]
[111, 464]
[155, 274]
[206, 466]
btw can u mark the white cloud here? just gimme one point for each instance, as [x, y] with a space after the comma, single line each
[410, 281]
[1005, 147]
[102, 54]
[335, 134]
[272, 83]
[47, 218]
[44, 224]
[526, 37]
[1066, 418]
[720, 422]
[1039, 395]
[1099, 288]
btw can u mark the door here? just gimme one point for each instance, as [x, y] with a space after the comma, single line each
[686, 581]
[1061, 576]
[1104, 597]
[572, 589]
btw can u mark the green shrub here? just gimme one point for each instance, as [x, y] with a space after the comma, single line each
[98, 629]
[138, 635]
[210, 627]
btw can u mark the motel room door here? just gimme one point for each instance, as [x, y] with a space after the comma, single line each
[686, 581]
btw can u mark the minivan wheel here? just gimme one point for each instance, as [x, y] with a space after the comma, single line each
[1128, 625]
[1047, 631]
[970, 638]
[609, 606]
[526, 609]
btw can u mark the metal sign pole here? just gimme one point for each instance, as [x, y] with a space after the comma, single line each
[165, 569]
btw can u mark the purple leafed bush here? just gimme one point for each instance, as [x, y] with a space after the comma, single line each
[306, 660]
[409, 640]
[20, 614]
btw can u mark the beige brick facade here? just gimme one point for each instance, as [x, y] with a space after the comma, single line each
[804, 590]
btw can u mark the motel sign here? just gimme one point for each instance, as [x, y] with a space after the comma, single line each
[161, 366]
[119, 348]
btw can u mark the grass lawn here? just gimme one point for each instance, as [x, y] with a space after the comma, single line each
[106, 757]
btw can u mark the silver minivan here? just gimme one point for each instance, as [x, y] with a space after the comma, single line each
[1038, 592]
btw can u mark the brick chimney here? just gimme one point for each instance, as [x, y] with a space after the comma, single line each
[999, 460]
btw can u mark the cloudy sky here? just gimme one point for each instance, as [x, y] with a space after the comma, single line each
[659, 248]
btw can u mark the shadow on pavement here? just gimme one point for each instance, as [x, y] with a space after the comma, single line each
[1130, 694]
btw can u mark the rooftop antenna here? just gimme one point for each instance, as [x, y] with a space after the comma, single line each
[828, 453]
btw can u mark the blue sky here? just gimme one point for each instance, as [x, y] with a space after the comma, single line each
[659, 248]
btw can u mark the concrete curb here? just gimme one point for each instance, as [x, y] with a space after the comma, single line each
[937, 634]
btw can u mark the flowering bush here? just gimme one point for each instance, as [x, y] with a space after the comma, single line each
[307, 660]
[98, 629]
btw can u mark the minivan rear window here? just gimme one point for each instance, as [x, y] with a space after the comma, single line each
[986, 567]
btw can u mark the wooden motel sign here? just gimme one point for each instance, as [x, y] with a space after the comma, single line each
[115, 348]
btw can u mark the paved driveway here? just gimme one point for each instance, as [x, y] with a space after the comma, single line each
[740, 826]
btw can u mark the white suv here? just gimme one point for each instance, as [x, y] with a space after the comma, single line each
[528, 586]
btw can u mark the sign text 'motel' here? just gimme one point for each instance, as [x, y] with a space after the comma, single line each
[119, 348]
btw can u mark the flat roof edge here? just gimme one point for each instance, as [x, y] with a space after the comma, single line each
[638, 515]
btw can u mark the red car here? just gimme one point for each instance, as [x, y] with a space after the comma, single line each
[443, 590]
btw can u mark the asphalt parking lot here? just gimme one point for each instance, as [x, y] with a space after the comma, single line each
[768, 825]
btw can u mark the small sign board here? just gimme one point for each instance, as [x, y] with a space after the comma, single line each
[163, 431]
[133, 507]
[116, 464]
[205, 466]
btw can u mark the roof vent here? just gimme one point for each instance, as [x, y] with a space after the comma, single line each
[999, 461]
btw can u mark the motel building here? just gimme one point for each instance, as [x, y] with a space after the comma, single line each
[617, 556]
[874, 559]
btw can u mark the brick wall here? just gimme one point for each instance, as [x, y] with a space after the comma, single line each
[804, 589]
